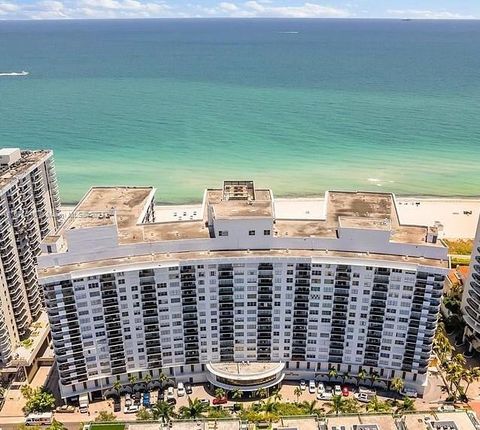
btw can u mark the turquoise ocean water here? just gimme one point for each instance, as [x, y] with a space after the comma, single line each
[298, 105]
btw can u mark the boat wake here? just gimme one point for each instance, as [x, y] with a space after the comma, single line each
[288, 32]
[22, 73]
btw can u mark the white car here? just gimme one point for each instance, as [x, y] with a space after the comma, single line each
[170, 393]
[362, 397]
[327, 394]
[303, 385]
[132, 409]
[446, 408]
[408, 392]
[312, 387]
[128, 400]
[337, 391]
[180, 389]
[320, 388]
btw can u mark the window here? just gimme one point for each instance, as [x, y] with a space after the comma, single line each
[266, 232]
[223, 233]
[251, 233]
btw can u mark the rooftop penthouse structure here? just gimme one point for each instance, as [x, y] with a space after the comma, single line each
[29, 211]
[281, 298]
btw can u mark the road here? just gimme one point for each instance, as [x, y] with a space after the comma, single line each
[68, 426]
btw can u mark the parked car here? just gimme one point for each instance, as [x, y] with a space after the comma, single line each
[65, 409]
[180, 389]
[311, 386]
[132, 409]
[362, 397]
[170, 393]
[117, 407]
[171, 401]
[408, 392]
[320, 388]
[327, 394]
[188, 389]
[220, 400]
[303, 385]
[337, 390]
[146, 400]
[345, 391]
[205, 401]
[128, 400]
[446, 408]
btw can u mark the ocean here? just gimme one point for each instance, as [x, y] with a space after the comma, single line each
[300, 106]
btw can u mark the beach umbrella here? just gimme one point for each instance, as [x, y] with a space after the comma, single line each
[140, 387]
[168, 383]
[111, 393]
[154, 385]
[126, 390]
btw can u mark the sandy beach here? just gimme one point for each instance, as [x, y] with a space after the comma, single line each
[453, 214]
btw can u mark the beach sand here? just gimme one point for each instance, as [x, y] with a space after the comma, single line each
[449, 212]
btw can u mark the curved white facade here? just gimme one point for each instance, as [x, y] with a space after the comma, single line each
[241, 286]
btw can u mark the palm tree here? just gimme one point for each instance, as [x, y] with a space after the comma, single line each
[117, 385]
[297, 392]
[397, 384]
[147, 378]
[377, 405]
[277, 396]
[473, 375]
[332, 373]
[373, 377]
[163, 411]
[467, 376]
[345, 376]
[143, 415]
[337, 405]
[237, 394]
[219, 393]
[262, 393]
[361, 376]
[132, 379]
[194, 410]
[269, 406]
[162, 377]
[56, 425]
[407, 405]
[310, 408]
[350, 406]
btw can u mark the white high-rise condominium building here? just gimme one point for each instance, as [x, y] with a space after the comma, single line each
[238, 296]
[29, 211]
[471, 297]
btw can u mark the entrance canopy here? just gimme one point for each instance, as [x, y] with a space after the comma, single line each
[245, 376]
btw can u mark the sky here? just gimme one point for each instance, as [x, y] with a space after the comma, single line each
[89, 9]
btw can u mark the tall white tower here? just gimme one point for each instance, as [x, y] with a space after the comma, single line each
[471, 297]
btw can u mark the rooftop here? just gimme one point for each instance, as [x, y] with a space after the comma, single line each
[364, 210]
[102, 206]
[20, 167]
[173, 257]
[240, 199]
[125, 208]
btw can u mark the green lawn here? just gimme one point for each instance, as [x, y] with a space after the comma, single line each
[113, 426]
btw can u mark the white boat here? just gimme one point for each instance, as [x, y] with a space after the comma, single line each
[22, 73]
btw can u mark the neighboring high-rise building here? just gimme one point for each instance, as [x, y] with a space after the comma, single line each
[471, 297]
[29, 211]
[237, 296]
